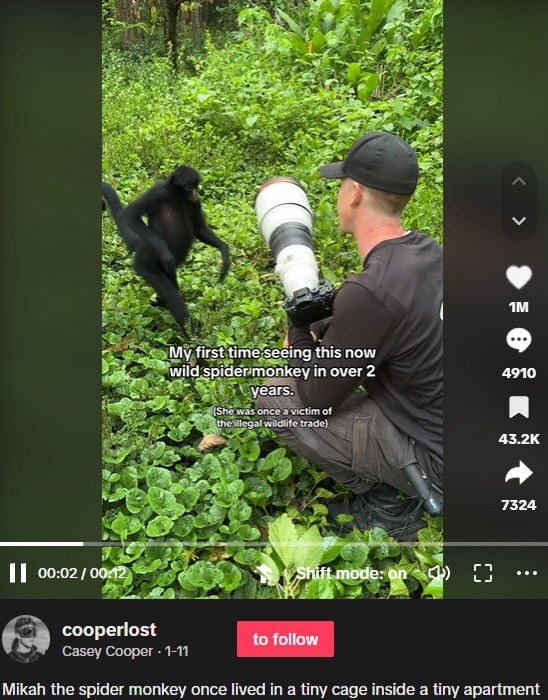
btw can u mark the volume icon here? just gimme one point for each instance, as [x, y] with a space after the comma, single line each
[439, 572]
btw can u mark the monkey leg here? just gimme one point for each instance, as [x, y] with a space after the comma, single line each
[167, 292]
[160, 301]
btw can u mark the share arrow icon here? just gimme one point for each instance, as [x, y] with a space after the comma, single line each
[522, 473]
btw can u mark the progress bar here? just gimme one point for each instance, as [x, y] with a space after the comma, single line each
[47, 544]
[195, 544]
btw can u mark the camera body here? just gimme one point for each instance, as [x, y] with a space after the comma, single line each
[309, 305]
[285, 221]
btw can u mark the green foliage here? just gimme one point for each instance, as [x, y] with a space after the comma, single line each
[271, 99]
[303, 564]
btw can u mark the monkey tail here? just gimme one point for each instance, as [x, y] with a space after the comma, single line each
[128, 235]
[111, 197]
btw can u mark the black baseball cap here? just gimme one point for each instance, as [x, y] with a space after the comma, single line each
[25, 627]
[380, 160]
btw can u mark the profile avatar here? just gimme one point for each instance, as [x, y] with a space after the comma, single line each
[23, 647]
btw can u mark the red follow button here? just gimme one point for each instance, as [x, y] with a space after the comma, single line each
[286, 638]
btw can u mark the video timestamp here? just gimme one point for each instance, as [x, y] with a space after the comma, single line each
[73, 572]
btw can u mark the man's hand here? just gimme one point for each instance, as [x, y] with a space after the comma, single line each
[286, 339]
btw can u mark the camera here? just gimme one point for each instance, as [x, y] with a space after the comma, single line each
[285, 222]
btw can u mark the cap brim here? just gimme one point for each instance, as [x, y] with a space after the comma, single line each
[332, 171]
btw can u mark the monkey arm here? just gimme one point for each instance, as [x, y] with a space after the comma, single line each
[209, 237]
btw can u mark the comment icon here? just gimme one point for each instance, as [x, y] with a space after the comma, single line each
[519, 339]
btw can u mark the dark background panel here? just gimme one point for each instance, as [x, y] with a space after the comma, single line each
[51, 274]
[448, 642]
[494, 116]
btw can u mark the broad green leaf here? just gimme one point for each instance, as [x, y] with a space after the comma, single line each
[248, 533]
[145, 567]
[353, 73]
[162, 502]
[136, 500]
[157, 403]
[274, 575]
[332, 549]
[282, 470]
[119, 458]
[309, 549]
[120, 525]
[318, 42]
[189, 497]
[319, 589]
[355, 554]
[298, 44]
[159, 526]
[232, 576]
[248, 557]
[327, 22]
[240, 512]
[378, 12]
[290, 23]
[157, 476]
[227, 495]
[203, 574]
[272, 458]
[398, 587]
[283, 536]
[434, 588]
[250, 450]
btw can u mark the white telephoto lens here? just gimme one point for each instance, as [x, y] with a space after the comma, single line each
[297, 268]
[281, 201]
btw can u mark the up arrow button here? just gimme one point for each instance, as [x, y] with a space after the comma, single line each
[519, 194]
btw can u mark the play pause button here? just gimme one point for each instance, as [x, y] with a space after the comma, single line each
[18, 575]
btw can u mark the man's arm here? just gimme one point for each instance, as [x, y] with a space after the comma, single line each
[360, 322]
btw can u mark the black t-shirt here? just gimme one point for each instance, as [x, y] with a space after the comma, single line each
[28, 658]
[393, 307]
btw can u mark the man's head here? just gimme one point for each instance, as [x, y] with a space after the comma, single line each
[379, 160]
[25, 631]
[383, 163]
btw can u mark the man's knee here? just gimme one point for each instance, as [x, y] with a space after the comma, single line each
[263, 403]
[276, 398]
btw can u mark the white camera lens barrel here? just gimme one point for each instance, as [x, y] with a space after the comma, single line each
[286, 224]
[281, 201]
[297, 268]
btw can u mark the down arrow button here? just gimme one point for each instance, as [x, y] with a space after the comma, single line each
[519, 200]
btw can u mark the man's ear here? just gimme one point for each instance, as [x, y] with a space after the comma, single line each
[357, 194]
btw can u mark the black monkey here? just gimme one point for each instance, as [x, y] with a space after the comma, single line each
[159, 247]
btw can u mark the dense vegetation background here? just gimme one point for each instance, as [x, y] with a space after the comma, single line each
[244, 91]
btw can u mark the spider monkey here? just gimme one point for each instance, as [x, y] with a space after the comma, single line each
[159, 247]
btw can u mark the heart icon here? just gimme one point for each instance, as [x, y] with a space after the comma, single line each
[519, 276]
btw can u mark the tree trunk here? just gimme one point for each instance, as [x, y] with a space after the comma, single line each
[170, 33]
[128, 12]
[197, 25]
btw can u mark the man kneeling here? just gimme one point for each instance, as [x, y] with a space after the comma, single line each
[384, 412]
